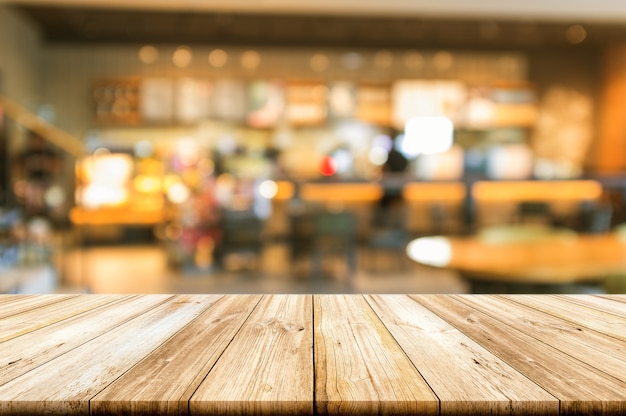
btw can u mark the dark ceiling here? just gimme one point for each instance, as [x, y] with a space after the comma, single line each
[89, 25]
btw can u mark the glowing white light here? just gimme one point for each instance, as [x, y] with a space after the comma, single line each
[409, 148]
[343, 160]
[427, 135]
[187, 150]
[510, 162]
[378, 155]
[441, 166]
[178, 193]
[54, 196]
[383, 141]
[268, 189]
[97, 195]
[434, 251]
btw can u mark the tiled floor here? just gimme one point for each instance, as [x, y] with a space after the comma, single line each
[144, 269]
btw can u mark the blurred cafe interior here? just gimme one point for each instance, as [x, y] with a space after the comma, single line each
[312, 147]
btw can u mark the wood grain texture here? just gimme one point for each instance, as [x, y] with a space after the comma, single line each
[165, 380]
[24, 303]
[360, 368]
[583, 316]
[268, 367]
[22, 354]
[447, 359]
[609, 305]
[602, 352]
[616, 298]
[580, 388]
[65, 384]
[33, 319]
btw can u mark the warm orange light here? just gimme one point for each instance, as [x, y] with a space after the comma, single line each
[147, 184]
[537, 190]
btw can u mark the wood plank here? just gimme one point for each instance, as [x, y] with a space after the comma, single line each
[33, 319]
[576, 313]
[359, 368]
[617, 298]
[604, 304]
[268, 367]
[23, 303]
[604, 353]
[20, 355]
[165, 380]
[581, 388]
[447, 359]
[65, 384]
[5, 298]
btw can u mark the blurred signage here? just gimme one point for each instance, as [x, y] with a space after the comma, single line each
[117, 101]
[374, 104]
[306, 103]
[266, 104]
[192, 100]
[157, 100]
[228, 101]
[417, 98]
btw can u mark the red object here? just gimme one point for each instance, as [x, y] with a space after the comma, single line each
[328, 167]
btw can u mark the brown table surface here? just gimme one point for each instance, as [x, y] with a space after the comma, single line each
[305, 354]
[559, 258]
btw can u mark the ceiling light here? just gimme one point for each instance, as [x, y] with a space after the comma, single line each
[413, 60]
[443, 60]
[218, 58]
[575, 34]
[148, 54]
[383, 59]
[250, 59]
[182, 56]
[319, 62]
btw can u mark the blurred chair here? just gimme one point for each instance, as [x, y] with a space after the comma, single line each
[334, 234]
[594, 218]
[615, 284]
[533, 212]
[242, 240]
[387, 238]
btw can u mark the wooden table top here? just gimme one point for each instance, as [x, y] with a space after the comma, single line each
[305, 354]
[560, 258]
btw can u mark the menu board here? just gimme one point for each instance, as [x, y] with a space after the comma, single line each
[266, 103]
[342, 100]
[417, 98]
[157, 100]
[228, 101]
[374, 104]
[193, 100]
[117, 101]
[306, 103]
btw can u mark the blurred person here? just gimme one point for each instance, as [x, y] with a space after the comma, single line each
[36, 168]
